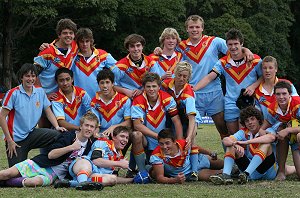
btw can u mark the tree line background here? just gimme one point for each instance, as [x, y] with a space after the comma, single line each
[270, 27]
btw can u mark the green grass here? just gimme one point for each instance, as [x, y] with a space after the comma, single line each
[208, 138]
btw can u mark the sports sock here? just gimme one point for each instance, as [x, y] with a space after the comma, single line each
[194, 158]
[82, 176]
[257, 159]
[132, 163]
[97, 179]
[140, 159]
[228, 163]
[15, 182]
[73, 183]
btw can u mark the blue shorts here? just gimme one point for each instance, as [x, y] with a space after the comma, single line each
[210, 103]
[231, 113]
[30, 169]
[203, 162]
[270, 174]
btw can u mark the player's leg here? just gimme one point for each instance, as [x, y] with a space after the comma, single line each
[105, 179]
[261, 154]
[123, 180]
[213, 104]
[138, 143]
[9, 173]
[205, 174]
[232, 126]
[80, 169]
[282, 152]
[296, 159]
[41, 137]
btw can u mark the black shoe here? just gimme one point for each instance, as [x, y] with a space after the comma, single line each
[64, 183]
[243, 178]
[89, 186]
[221, 179]
[193, 177]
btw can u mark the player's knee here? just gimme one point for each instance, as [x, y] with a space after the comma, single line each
[137, 137]
[82, 164]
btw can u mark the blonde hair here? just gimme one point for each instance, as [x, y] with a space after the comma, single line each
[169, 32]
[194, 18]
[183, 66]
[89, 116]
[270, 59]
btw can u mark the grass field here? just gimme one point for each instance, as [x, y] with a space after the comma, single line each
[208, 138]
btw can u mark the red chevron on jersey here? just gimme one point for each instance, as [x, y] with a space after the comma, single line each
[154, 57]
[196, 53]
[135, 73]
[292, 109]
[177, 161]
[254, 150]
[238, 73]
[89, 67]
[263, 99]
[187, 90]
[109, 110]
[117, 155]
[71, 109]
[57, 58]
[155, 116]
[169, 65]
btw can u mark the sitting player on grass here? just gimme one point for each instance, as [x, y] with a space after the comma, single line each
[171, 164]
[253, 155]
[43, 169]
[104, 157]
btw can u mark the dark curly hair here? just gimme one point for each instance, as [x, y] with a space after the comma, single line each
[249, 112]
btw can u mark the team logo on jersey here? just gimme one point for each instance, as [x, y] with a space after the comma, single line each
[262, 99]
[56, 60]
[77, 59]
[97, 59]
[228, 66]
[37, 104]
[129, 70]
[97, 106]
[167, 159]
[78, 98]
[187, 49]
[118, 104]
[204, 44]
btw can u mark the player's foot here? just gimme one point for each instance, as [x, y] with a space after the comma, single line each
[64, 183]
[193, 177]
[89, 186]
[280, 176]
[243, 178]
[221, 178]
[235, 171]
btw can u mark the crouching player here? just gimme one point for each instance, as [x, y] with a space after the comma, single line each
[97, 168]
[43, 169]
[171, 164]
[253, 155]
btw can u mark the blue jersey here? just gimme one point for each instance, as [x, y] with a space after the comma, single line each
[130, 75]
[51, 59]
[114, 112]
[71, 111]
[153, 117]
[109, 152]
[164, 63]
[24, 111]
[173, 165]
[86, 70]
[185, 99]
[203, 57]
[243, 135]
[237, 77]
[264, 98]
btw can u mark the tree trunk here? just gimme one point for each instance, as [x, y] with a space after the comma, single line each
[7, 69]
